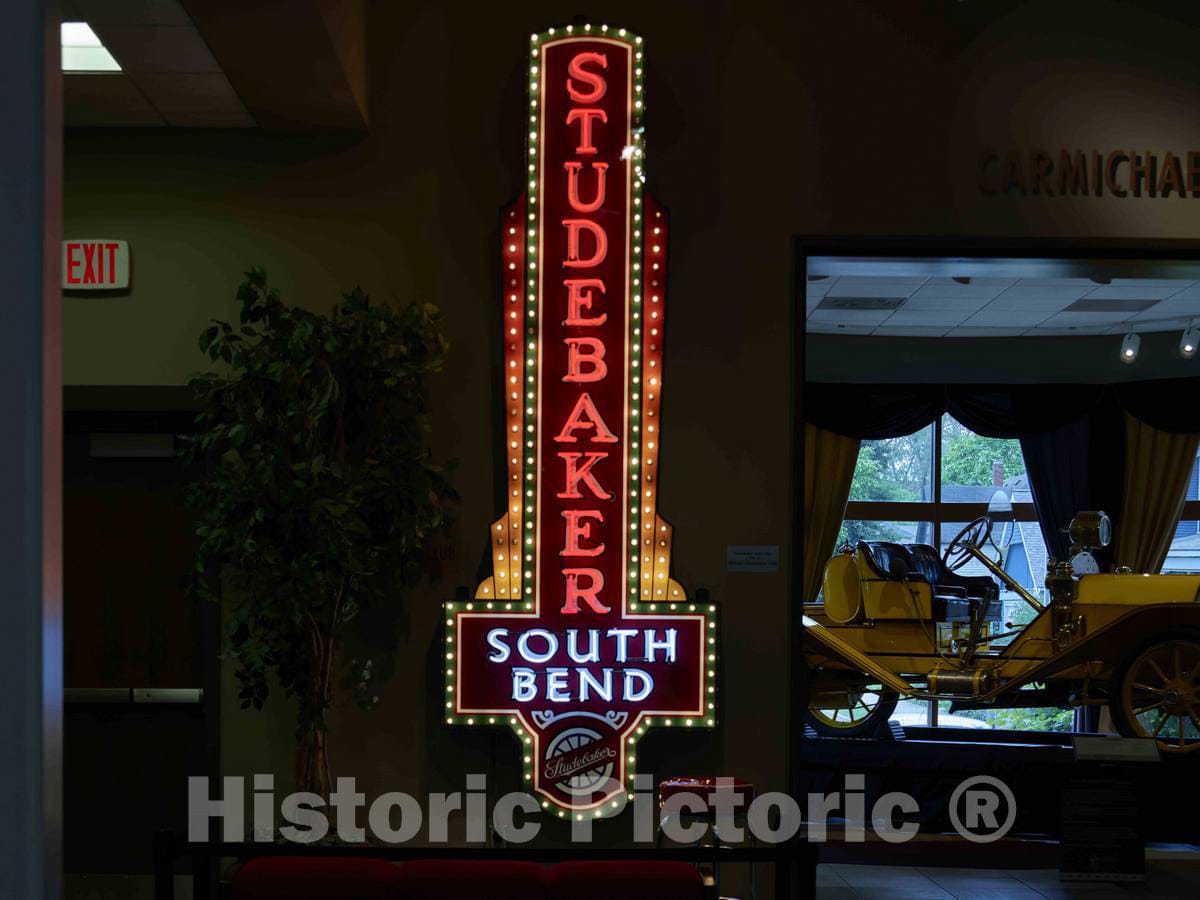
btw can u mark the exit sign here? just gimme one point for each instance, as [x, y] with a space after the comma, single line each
[95, 265]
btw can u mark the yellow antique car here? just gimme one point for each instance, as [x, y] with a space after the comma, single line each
[898, 620]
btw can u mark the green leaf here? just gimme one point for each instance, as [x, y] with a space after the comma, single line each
[317, 481]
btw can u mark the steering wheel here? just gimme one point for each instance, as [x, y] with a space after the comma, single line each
[973, 536]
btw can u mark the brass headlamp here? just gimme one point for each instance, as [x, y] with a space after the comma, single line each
[1090, 530]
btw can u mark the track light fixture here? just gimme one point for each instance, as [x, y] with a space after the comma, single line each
[1189, 342]
[1129, 348]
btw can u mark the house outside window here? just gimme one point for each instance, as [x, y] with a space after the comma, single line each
[1183, 557]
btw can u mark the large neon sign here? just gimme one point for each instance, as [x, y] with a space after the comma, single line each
[580, 641]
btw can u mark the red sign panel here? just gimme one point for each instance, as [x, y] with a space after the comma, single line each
[95, 265]
[580, 640]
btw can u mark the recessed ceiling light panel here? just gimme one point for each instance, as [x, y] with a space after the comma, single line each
[82, 51]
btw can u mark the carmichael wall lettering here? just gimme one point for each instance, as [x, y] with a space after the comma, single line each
[1095, 173]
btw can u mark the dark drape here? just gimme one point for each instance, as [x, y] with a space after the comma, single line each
[1072, 435]
[1056, 462]
[1075, 466]
[873, 412]
[1169, 404]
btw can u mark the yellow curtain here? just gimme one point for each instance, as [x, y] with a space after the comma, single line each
[829, 461]
[1157, 467]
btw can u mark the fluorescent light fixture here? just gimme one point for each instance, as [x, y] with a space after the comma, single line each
[83, 52]
[1129, 348]
[1189, 342]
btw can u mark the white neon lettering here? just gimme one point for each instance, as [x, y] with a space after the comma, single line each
[524, 685]
[495, 639]
[528, 655]
[622, 635]
[593, 651]
[668, 644]
[588, 684]
[556, 686]
[633, 695]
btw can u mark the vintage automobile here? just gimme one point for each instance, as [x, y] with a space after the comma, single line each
[898, 620]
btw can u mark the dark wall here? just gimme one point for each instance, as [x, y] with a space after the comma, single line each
[765, 120]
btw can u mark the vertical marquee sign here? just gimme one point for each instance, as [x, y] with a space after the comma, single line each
[580, 640]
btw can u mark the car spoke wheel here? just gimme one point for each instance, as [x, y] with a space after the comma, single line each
[1160, 695]
[866, 707]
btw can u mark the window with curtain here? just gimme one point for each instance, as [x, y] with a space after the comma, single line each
[1183, 557]
[924, 488]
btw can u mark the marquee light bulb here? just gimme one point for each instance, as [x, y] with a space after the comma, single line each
[1189, 342]
[1129, 348]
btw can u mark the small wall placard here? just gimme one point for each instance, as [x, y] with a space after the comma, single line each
[752, 558]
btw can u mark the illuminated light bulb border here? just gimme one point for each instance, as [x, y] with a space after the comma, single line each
[707, 718]
[507, 563]
[654, 544]
[644, 342]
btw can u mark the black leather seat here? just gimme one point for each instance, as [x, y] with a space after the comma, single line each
[955, 597]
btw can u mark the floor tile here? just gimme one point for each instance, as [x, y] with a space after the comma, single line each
[827, 877]
[833, 892]
[980, 884]
[891, 882]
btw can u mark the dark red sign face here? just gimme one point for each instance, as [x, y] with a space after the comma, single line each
[581, 641]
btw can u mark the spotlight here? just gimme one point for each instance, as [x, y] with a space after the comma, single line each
[1129, 348]
[1189, 342]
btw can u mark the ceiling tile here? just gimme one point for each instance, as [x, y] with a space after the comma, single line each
[1176, 306]
[232, 118]
[1044, 331]
[965, 305]
[1137, 288]
[912, 330]
[850, 316]
[1044, 295]
[158, 48]
[1148, 327]
[130, 12]
[108, 99]
[1125, 307]
[1188, 293]
[819, 288]
[188, 93]
[876, 287]
[1017, 319]
[927, 317]
[1065, 319]
[975, 331]
[834, 328]
[975, 288]
[1054, 284]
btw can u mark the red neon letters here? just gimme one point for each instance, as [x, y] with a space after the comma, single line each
[585, 353]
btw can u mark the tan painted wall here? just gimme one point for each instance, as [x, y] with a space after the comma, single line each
[764, 121]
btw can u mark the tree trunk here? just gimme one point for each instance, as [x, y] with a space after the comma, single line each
[312, 750]
[312, 761]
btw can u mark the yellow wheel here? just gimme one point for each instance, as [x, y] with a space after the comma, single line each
[1158, 694]
[864, 709]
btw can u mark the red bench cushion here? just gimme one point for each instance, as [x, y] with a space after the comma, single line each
[471, 880]
[665, 880]
[313, 878]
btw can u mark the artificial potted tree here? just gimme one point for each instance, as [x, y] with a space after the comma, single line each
[319, 496]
